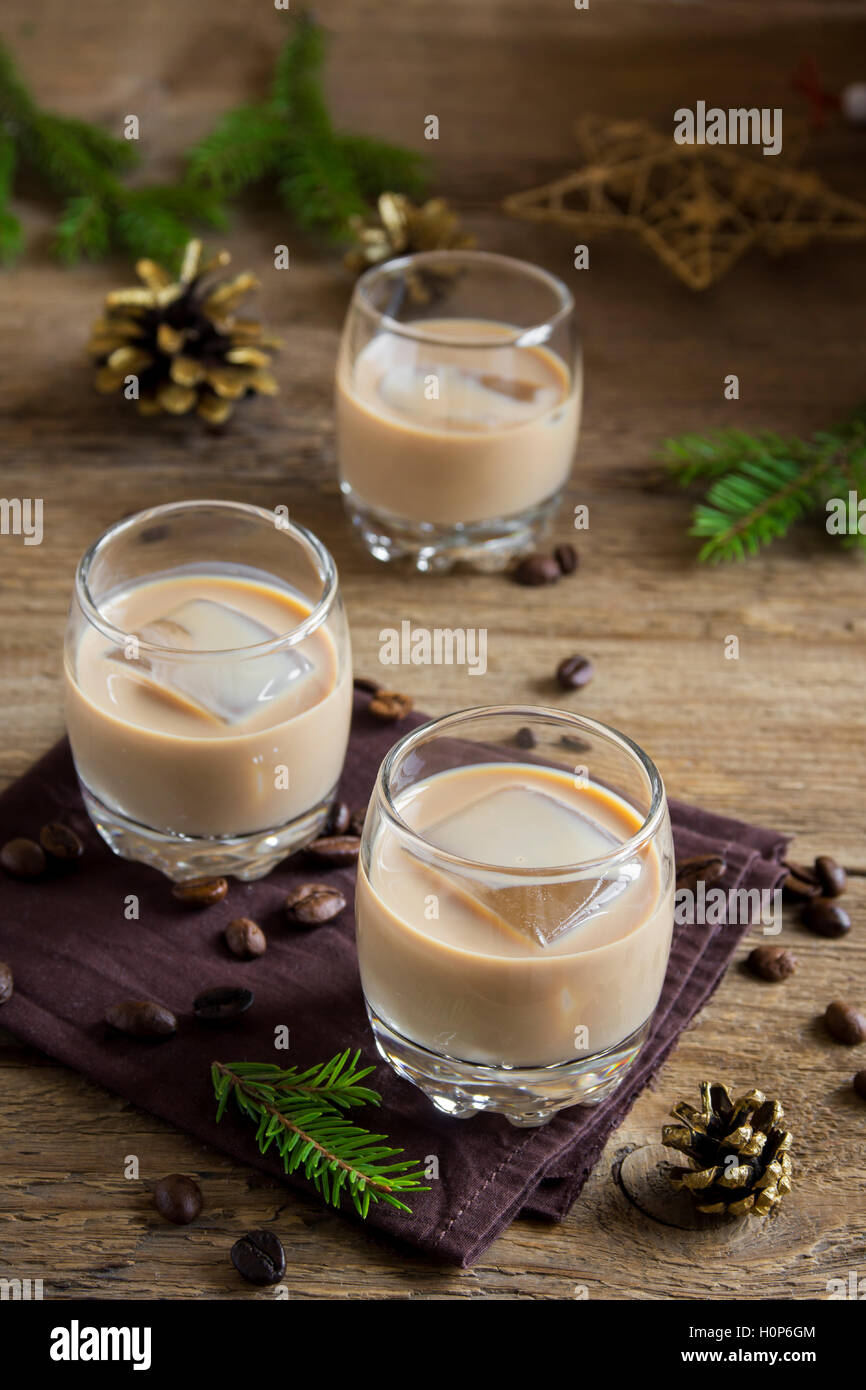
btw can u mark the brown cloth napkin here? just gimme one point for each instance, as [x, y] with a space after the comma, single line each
[73, 952]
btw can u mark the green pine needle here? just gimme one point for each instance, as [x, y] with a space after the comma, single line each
[300, 1114]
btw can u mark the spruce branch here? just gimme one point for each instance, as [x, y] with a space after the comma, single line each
[301, 1113]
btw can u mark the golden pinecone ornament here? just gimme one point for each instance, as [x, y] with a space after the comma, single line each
[401, 228]
[738, 1150]
[181, 341]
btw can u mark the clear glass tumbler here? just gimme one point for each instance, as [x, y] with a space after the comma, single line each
[514, 909]
[458, 404]
[208, 687]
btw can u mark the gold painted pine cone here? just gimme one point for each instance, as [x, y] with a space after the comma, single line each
[739, 1153]
[182, 340]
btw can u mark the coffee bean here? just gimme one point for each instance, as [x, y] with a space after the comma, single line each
[367, 687]
[259, 1257]
[7, 984]
[859, 1084]
[335, 849]
[338, 819]
[178, 1198]
[525, 738]
[223, 1004]
[771, 963]
[846, 1023]
[389, 705]
[801, 883]
[245, 938]
[537, 569]
[575, 744]
[22, 858]
[356, 824]
[153, 534]
[700, 868]
[566, 557]
[575, 672]
[200, 892]
[831, 876]
[826, 918]
[311, 904]
[142, 1018]
[59, 841]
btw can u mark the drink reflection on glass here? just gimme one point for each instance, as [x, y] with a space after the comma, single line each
[458, 404]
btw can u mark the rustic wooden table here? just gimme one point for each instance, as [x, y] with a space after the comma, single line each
[777, 736]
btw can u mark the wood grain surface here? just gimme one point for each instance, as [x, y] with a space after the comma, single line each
[778, 736]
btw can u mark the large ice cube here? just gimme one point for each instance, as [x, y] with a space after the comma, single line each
[454, 398]
[228, 690]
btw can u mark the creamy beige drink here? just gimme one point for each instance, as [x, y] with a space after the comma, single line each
[459, 426]
[199, 745]
[476, 962]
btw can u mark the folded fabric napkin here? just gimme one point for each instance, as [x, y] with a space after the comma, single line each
[73, 952]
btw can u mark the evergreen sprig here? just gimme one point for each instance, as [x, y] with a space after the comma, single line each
[300, 1113]
[323, 176]
[762, 483]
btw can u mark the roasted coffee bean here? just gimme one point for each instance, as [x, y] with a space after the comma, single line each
[153, 534]
[178, 1198]
[366, 686]
[826, 918]
[245, 938]
[525, 738]
[700, 868]
[223, 1004]
[537, 569]
[801, 883]
[771, 963]
[200, 892]
[831, 876]
[22, 858]
[311, 904]
[59, 841]
[575, 744]
[389, 706]
[259, 1257]
[846, 1023]
[338, 819]
[356, 824]
[7, 984]
[142, 1018]
[859, 1084]
[335, 849]
[575, 672]
[566, 557]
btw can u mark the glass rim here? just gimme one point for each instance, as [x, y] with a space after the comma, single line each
[324, 564]
[529, 336]
[625, 850]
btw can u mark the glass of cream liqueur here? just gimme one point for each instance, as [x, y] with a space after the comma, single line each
[208, 687]
[514, 909]
[458, 403]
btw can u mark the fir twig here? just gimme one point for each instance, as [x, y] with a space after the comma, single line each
[301, 1114]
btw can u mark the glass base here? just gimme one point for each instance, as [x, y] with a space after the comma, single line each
[526, 1096]
[481, 545]
[185, 857]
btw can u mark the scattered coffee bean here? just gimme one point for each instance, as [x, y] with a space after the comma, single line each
[60, 841]
[7, 984]
[831, 876]
[339, 818]
[859, 1084]
[22, 858]
[575, 672]
[525, 738]
[356, 824]
[222, 1004]
[847, 1024]
[389, 706]
[771, 963]
[566, 557]
[537, 569]
[575, 744]
[826, 918]
[337, 850]
[142, 1018]
[153, 534]
[200, 892]
[311, 904]
[700, 868]
[259, 1257]
[245, 938]
[801, 882]
[178, 1198]
[367, 687]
